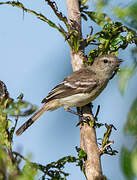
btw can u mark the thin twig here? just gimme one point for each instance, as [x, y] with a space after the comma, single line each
[54, 7]
[97, 112]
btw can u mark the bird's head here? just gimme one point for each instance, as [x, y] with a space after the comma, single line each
[106, 64]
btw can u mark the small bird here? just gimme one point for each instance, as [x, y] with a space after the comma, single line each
[78, 89]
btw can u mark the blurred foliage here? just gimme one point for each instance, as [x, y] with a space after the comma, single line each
[10, 161]
[129, 157]
[100, 4]
[124, 76]
[126, 163]
[128, 14]
[131, 124]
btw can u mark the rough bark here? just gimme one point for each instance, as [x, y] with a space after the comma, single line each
[74, 16]
[88, 143]
[87, 133]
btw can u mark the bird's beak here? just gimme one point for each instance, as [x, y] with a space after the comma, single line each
[119, 62]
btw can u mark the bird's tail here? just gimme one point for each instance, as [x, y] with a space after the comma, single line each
[28, 123]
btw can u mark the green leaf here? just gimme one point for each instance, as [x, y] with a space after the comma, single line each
[122, 13]
[82, 2]
[131, 125]
[84, 16]
[98, 17]
[128, 14]
[16, 108]
[100, 4]
[134, 161]
[28, 172]
[126, 164]
[4, 123]
[124, 76]
[82, 154]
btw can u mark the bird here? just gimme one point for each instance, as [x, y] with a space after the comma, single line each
[78, 89]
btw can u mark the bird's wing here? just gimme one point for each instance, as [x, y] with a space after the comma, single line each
[82, 81]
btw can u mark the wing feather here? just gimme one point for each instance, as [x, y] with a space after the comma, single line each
[82, 81]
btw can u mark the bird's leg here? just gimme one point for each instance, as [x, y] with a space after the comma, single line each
[73, 112]
[82, 118]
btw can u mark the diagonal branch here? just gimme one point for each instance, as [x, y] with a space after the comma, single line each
[38, 15]
[54, 7]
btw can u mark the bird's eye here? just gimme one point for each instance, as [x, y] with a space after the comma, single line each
[105, 61]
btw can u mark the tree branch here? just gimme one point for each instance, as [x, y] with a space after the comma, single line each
[87, 133]
[38, 15]
[54, 7]
[74, 19]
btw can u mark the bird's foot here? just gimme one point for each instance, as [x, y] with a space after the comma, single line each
[83, 119]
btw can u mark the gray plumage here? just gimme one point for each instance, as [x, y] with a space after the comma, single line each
[78, 89]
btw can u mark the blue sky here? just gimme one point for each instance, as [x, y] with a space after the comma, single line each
[34, 58]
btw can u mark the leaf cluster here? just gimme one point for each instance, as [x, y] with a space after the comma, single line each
[112, 37]
[10, 161]
[11, 110]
